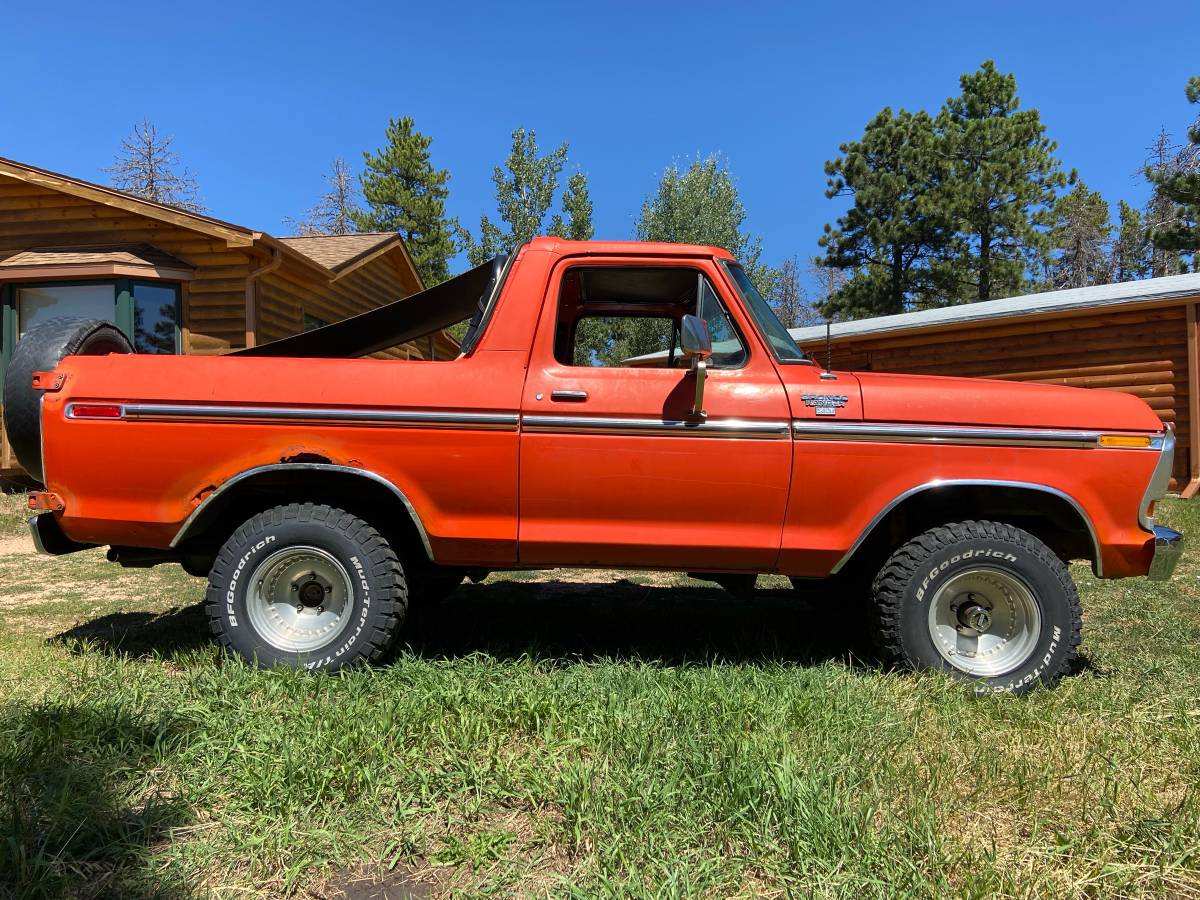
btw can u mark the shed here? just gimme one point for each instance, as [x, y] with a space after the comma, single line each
[1139, 337]
[180, 282]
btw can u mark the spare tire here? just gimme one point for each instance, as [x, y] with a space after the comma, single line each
[41, 350]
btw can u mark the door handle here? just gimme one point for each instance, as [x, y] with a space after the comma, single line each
[569, 396]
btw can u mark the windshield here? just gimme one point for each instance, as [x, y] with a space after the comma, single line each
[768, 323]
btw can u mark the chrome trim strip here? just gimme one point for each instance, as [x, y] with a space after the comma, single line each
[709, 428]
[806, 429]
[317, 467]
[971, 482]
[1160, 480]
[166, 412]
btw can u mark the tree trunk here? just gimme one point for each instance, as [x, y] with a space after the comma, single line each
[985, 263]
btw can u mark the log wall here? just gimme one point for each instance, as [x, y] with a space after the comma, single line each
[1141, 351]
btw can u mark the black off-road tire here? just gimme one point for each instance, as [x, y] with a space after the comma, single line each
[41, 350]
[909, 583]
[375, 596]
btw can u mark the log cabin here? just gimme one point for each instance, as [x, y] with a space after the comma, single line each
[1139, 337]
[176, 281]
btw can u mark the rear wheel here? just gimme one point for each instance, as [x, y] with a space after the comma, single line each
[984, 601]
[306, 586]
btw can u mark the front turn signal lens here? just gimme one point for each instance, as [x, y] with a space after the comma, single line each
[1140, 441]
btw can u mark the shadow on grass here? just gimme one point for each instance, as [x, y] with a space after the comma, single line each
[141, 633]
[561, 620]
[79, 814]
[582, 621]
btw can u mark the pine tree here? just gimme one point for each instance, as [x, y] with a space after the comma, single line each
[1002, 182]
[1131, 251]
[897, 227]
[829, 281]
[1080, 234]
[525, 190]
[1175, 229]
[406, 194]
[701, 206]
[336, 209]
[147, 167]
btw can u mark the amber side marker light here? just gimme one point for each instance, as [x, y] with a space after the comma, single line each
[96, 411]
[1125, 440]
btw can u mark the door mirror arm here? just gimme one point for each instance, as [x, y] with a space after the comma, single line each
[696, 346]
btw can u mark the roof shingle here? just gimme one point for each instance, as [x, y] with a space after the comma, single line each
[336, 250]
[117, 254]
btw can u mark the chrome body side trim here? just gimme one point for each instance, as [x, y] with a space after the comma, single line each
[709, 428]
[226, 485]
[1168, 548]
[971, 482]
[806, 429]
[1160, 480]
[394, 417]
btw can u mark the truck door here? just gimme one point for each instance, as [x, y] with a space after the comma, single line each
[614, 470]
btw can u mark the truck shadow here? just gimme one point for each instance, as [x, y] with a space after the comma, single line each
[582, 621]
[557, 620]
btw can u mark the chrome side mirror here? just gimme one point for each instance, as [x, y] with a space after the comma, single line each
[696, 346]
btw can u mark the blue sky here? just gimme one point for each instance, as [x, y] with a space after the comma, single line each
[261, 97]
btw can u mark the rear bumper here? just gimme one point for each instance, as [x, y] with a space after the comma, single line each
[1168, 547]
[48, 536]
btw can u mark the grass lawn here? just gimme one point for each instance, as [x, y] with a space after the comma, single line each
[583, 734]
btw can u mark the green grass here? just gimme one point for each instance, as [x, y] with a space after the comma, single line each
[585, 735]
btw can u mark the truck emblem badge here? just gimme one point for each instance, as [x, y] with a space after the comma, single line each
[825, 404]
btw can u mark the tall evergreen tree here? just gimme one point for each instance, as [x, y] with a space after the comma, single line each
[406, 194]
[899, 223]
[525, 192]
[1131, 251]
[700, 205]
[335, 211]
[1080, 234]
[148, 166]
[1002, 182]
[1177, 188]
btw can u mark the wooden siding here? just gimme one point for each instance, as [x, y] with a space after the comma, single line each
[32, 216]
[1143, 352]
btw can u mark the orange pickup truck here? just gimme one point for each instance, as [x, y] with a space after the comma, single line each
[621, 405]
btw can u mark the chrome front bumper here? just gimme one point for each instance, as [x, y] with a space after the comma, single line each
[1168, 547]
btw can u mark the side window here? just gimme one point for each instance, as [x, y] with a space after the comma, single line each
[630, 318]
[607, 341]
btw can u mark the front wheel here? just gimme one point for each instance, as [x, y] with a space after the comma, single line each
[306, 586]
[984, 601]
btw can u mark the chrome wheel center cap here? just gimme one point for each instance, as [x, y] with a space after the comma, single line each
[972, 615]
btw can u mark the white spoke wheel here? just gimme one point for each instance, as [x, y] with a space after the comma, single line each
[985, 602]
[306, 586]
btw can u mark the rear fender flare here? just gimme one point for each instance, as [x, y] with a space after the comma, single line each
[210, 506]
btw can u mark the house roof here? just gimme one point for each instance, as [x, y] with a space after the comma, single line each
[1125, 293]
[337, 250]
[117, 254]
[234, 235]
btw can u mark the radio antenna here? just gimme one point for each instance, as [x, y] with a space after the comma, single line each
[828, 373]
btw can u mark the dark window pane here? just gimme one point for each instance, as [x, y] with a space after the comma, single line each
[155, 318]
[312, 323]
[38, 302]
